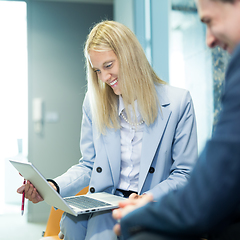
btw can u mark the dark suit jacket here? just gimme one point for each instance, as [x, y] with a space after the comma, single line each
[210, 200]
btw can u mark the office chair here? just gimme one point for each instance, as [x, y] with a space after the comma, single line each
[53, 228]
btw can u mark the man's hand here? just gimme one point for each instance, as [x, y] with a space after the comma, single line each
[128, 206]
[31, 192]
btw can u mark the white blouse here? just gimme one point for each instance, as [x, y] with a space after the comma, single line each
[131, 146]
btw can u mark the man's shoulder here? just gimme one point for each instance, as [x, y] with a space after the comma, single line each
[235, 58]
[233, 70]
[236, 52]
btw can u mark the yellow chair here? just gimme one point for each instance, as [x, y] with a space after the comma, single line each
[53, 228]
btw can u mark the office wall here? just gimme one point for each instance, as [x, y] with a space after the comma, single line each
[56, 35]
[124, 12]
[151, 27]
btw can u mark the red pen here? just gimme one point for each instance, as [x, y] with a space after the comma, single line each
[23, 198]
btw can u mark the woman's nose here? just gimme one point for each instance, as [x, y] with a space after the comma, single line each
[105, 76]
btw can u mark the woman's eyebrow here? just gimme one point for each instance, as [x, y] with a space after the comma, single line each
[108, 62]
[94, 68]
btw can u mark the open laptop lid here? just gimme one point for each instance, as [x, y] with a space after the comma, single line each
[50, 196]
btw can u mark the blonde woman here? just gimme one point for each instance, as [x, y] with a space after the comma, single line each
[138, 134]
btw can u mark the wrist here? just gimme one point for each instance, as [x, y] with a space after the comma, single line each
[54, 185]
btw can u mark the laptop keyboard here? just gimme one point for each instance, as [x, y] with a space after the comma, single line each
[85, 203]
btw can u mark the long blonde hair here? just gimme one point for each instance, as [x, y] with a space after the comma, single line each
[136, 76]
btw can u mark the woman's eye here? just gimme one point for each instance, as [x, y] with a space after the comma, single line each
[97, 71]
[109, 65]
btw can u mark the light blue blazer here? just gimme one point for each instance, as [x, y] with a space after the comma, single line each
[169, 150]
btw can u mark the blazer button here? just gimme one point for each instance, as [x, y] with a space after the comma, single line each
[92, 189]
[99, 169]
[151, 170]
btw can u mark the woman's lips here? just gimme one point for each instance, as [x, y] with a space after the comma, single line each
[113, 82]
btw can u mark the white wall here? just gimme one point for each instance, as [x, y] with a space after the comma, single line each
[123, 12]
[56, 35]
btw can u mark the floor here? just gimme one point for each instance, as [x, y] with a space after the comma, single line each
[14, 226]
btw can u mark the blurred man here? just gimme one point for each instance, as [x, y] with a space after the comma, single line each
[209, 203]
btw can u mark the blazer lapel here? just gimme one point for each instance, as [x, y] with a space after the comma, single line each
[152, 136]
[113, 148]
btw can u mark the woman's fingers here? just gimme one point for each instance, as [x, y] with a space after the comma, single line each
[21, 189]
[31, 192]
[134, 196]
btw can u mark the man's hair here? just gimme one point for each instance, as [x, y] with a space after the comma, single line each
[136, 77]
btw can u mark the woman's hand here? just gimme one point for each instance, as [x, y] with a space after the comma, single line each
[132, 203]
[31, 192]
[135, 196]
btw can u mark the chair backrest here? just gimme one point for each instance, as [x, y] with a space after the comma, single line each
[54, 218]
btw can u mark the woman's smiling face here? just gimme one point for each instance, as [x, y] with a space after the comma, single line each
[106, 65]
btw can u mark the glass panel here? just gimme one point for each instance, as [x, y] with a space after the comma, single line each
[13, 98]
[148, 49]
[191, 63]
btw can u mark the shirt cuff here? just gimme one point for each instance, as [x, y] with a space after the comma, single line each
[55, 184]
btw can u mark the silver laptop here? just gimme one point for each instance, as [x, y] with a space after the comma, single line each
[74, 205]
